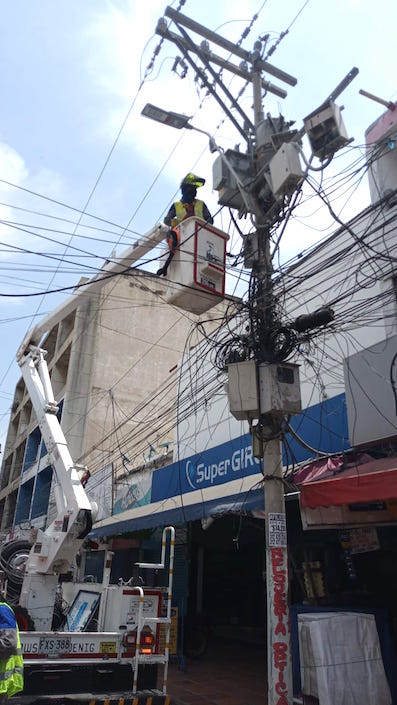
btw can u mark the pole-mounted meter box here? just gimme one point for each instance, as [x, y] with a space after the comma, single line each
[265, 388]
[243, 390]
[225, 169]
[279, 388]
[326, 130]
[196, 274]
[286, 171]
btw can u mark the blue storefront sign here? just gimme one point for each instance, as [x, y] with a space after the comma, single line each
[213, 473]
[216, 466]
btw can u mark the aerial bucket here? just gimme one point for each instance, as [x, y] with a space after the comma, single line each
[196, 274]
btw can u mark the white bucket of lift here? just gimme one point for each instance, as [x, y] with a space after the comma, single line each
[196, 274]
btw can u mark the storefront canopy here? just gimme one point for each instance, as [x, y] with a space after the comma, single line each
[176, 512]
[325, 484]
[218, 481]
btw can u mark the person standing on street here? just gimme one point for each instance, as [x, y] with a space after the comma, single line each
[11, 661]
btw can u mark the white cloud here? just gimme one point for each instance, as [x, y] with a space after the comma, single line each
[13, 167]
[15, 171]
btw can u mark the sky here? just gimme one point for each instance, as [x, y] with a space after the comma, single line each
[82, 173]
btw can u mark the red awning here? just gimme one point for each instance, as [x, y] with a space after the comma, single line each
[374, 481]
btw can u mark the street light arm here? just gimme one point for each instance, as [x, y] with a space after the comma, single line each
[178, 121]
[215, 148]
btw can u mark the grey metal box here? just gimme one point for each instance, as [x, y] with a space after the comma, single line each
[285, 169]
[224, 180]
[279, 388]
[243, 390]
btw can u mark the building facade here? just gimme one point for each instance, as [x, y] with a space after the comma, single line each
[112, 364]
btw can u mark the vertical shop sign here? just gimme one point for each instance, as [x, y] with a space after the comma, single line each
[278, 594]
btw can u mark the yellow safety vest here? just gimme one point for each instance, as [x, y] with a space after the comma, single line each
[11, 669]
[181, 212]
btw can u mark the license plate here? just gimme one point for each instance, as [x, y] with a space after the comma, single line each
[50, 645]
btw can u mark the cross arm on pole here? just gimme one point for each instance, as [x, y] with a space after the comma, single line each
[179, 18]
[219, 61]
[163, 31]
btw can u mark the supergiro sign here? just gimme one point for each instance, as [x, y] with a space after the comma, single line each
[201, 474]
[217, 466]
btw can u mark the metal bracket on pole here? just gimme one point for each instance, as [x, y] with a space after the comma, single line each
[179, 18]
[387, 103]
[203, 50]
[343, 84]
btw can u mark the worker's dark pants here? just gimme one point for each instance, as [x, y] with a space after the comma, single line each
[3, 698]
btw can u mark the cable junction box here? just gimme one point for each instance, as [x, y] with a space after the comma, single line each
[279, 389]
[265, 388]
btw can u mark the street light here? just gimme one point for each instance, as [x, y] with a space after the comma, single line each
[179, 121]
[167, 117]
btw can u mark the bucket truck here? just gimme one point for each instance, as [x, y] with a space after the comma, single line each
[87, 640]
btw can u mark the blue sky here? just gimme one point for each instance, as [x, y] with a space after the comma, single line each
[71, 71]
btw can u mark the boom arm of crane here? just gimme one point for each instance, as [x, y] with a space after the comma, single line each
[57, 546]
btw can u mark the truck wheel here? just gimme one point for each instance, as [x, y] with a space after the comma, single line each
[14, 554]
[13, 557]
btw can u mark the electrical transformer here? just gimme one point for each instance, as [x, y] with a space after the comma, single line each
[224, 180]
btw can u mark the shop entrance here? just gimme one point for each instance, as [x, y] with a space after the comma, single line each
[227, 579]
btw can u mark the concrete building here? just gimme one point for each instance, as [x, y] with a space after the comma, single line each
[353, 272]
[112, 355]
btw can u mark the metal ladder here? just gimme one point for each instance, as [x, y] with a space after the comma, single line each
[156, 658]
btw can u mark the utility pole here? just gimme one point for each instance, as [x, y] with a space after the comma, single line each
[261, 182]
[279, 662]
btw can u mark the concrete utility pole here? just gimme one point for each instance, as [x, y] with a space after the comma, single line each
[261, 182]
[279, 663]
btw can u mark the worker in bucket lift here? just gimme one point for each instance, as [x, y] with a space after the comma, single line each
[187, 207]
[11, 661]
